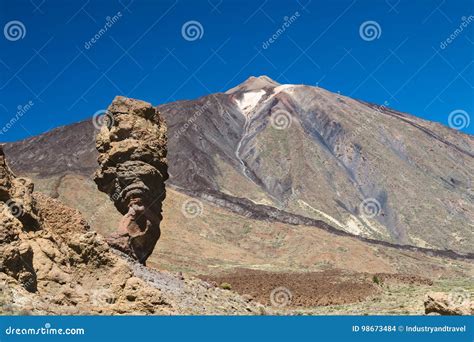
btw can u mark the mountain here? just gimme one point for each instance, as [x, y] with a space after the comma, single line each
[360, 168]
[352, 207]
[364, 169]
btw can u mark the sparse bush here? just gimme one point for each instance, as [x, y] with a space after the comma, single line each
[226, 286]
[376, 279]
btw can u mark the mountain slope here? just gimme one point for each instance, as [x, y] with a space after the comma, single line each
[363, 169]
[322, 155]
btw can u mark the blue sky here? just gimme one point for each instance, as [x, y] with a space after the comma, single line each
[51, 64]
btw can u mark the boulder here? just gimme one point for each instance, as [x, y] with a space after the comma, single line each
[453, 303]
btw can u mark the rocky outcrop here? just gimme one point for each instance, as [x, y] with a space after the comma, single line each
[450, 304]
[133, 169]
[17, 215]
[52, 263]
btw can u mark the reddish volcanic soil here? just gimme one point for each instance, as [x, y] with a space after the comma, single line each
[306, 289]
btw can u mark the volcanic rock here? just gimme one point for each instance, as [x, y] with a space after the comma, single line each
[17, 214]
[454, 303]
[52, 263]
[133, 169]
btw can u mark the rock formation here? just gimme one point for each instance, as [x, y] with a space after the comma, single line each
[17, 215]
[449, 304]
[133, 169]
[52, 263]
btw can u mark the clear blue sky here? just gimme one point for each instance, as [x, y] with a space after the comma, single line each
[144, 54]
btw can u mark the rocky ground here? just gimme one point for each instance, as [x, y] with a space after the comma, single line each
[337, 293]
[51, 262]
[323, 272]
[76, 272]
[399, 298]
[298, 290]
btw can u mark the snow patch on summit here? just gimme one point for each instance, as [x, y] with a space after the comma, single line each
[283, 87]
[249, 100]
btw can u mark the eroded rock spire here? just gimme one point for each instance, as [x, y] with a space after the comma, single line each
[133, 169]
